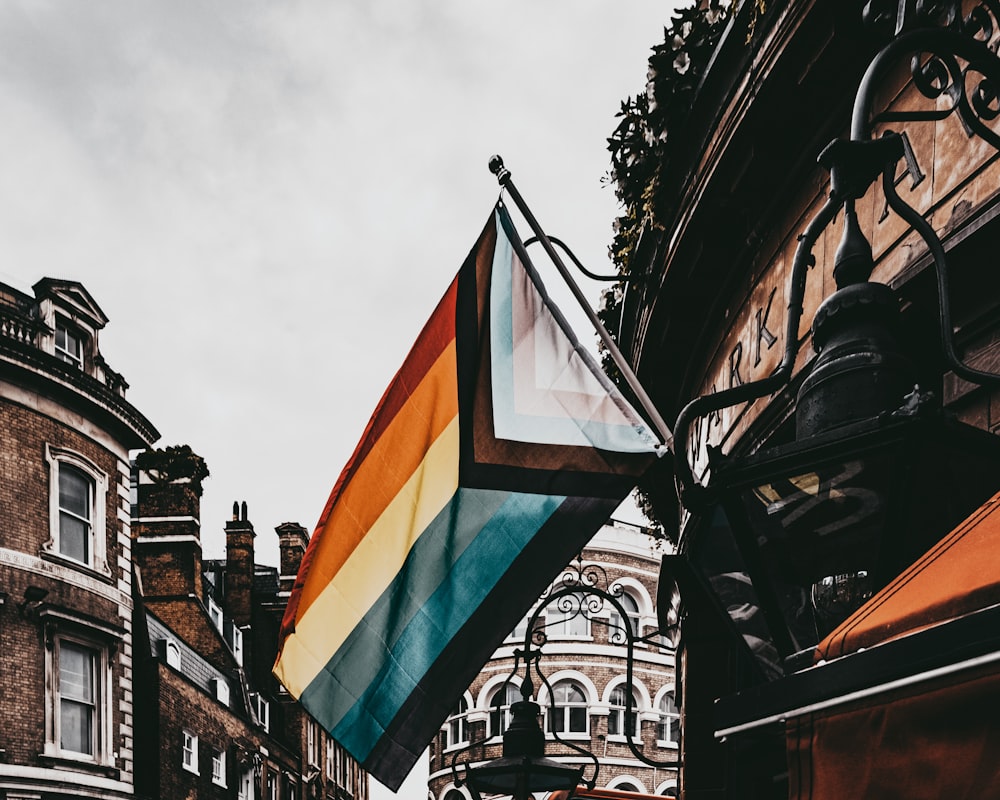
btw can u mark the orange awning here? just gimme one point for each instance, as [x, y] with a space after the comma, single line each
[922, 739]
[602, 794]
[959, 575]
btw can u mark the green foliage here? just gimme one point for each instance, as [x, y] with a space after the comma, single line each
[165, 465]
[640, 149]
[640, 144]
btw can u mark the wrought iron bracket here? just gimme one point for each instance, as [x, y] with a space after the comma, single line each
[938, 39]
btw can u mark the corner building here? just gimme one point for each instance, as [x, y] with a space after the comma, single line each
[583, 658]
[66, 659]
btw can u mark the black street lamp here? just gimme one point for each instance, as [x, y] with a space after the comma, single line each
[523, 768]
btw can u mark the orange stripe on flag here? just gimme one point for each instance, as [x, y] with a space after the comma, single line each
[388, 465]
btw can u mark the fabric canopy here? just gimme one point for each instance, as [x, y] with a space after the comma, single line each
[959, 575]
[935, 734]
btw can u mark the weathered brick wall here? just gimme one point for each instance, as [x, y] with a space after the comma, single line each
[24, 529]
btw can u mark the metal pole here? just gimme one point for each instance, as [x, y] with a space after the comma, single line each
[503, 178]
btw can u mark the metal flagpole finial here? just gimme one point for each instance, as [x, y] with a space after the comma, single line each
[498, 169]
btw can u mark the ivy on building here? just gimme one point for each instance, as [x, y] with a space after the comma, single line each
[641, 142]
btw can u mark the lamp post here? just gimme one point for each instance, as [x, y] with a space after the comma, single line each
[523, 768]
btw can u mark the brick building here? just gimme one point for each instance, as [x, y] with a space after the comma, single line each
[65, 550]
[212, 721]
[129, 666]
[583, 659]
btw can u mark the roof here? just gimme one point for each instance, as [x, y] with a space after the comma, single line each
[956, 577]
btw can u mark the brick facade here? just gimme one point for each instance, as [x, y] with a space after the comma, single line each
[129, 666]
[65, 616]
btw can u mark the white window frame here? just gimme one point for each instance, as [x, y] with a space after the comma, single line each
[312, 743]
[220, 686]
[500, 714]
[219, 767]
[564, 710]
[100, 702]
[572, 624]
[68, 331]
[263, 710]
[189, 751]
[214, 613]
[456, 727]
[272, 785]
[668, 721]
[616, 713]
[633, 618]
[236, 635]
[97, 559]
[330, 751]
[245, 789]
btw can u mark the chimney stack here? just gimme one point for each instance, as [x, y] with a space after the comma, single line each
[166, 529]
[239, 565]
[292, 542]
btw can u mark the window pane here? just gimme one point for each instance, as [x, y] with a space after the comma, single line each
[578, 719]
[74, 491]
[74, 538]
[76, 698]
[76, 724]
[75, 523]
[76, 672]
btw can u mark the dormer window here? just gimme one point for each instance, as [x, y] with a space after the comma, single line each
[69, 344]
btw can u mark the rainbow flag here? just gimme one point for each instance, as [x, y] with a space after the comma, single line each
[495, 454]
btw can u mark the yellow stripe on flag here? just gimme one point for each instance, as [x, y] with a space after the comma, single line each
[387, 468]
[370, 569]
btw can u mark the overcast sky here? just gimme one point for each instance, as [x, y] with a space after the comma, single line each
[268, 198]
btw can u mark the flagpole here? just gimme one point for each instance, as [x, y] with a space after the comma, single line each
[503, 178]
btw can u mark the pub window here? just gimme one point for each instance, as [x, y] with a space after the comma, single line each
[172, 652]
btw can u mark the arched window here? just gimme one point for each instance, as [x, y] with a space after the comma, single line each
[567, 617]
[570, 713]
[616, 633]
[669, 729]
[616, 715]
[628, 785]
[500, 704]
[457, 727]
